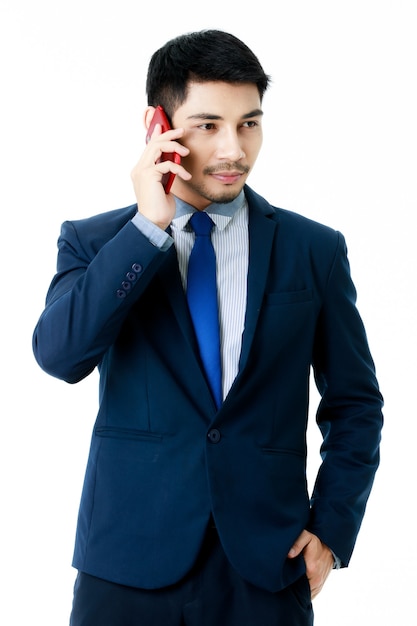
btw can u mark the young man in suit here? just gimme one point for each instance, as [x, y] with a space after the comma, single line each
[195, 508]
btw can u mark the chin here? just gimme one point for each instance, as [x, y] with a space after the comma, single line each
[225, 197]
[220, 196]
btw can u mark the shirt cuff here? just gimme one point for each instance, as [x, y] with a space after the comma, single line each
[337, 562]
[158, 237]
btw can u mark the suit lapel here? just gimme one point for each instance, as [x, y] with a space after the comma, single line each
[168, 274]
[262, 231]
[170, 277]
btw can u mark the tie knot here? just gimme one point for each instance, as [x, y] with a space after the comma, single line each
[201, 223]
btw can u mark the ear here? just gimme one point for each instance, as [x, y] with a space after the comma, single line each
[148, 115]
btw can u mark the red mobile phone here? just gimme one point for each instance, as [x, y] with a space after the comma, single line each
[160, 118]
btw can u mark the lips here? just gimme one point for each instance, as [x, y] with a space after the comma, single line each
[227, 177]
[227, 173]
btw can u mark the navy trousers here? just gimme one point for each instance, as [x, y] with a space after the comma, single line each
[212, 594]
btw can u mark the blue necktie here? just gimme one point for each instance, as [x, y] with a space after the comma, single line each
[202, 301]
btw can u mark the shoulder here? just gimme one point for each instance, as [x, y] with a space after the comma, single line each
[107, 222]
[290, 224]
[94, 231]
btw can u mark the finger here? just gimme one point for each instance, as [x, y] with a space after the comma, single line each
[299, 544]
[170, 148]
[319, 564]
[317, 583]
[152, 155]
[169, 166]
[170, 135]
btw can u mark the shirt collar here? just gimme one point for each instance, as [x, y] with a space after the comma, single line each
[221, 213]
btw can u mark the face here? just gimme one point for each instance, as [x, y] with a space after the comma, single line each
[223, 132]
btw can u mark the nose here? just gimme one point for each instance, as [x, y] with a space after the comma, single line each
[229, 147]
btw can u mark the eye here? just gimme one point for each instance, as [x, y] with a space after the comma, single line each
[251, 124]
[207, 126]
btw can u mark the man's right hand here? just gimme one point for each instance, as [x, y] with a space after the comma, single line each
[152, 200]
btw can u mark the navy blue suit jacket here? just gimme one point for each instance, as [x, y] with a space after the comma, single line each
[162, 458]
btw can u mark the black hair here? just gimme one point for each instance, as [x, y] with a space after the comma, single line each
[207, 55]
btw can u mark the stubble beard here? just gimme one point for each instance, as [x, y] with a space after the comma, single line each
[220, 198]
[225, 196]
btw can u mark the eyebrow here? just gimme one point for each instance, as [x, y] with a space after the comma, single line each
[211, 116]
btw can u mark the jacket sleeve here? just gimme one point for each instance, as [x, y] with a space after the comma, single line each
[349, 414]
[97, 282]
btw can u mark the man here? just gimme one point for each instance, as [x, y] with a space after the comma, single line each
[195, 508]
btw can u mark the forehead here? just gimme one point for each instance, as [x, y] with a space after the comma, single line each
[217, 98]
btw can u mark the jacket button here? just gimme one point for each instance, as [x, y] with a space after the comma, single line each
[120, 293]
[137, 268]
[214, 435]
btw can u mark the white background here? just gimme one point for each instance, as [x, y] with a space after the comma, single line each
[340, 147]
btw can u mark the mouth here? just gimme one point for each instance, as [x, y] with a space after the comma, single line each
[227, 178]
[228, 175]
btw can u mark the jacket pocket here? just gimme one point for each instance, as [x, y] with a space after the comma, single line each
[281, 451]
[288, 297]
[128, 433]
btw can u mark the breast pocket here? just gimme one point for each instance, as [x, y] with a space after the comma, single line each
[288, 297]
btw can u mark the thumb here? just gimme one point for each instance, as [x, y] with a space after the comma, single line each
[299, 544]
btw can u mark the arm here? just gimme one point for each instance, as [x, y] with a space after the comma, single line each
[349, 414]
[96, 284]
[103, 269]
[350, 419]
